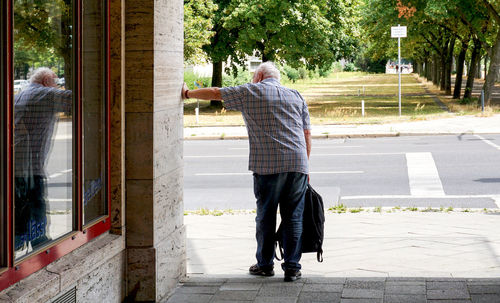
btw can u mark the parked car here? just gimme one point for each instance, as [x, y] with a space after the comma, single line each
[19, 85]
[61, 82]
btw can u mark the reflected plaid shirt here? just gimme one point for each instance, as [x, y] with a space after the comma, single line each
[35, 115]
[276, 118]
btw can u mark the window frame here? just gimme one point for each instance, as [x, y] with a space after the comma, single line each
[11, 270]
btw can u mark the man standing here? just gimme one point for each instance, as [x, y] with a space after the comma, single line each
[277, 121]
[36, 111]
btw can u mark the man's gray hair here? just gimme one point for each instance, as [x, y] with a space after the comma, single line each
[40, 74]
[268, 70]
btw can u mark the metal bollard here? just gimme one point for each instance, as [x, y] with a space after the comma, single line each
[482, 100]
[363, 108]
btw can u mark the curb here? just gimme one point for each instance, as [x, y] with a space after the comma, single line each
[344, 136]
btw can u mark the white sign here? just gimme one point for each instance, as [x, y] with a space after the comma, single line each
[398, 32]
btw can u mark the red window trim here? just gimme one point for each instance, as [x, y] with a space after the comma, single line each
[17, 271]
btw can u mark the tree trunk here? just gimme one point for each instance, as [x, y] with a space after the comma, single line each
[428, 74]
[435, 70]
[493, 70]
[460, 70]
[448, 66]
[478, 70]
[472, 69]
[216, 81]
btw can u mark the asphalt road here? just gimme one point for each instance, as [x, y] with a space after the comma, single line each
[420, 171]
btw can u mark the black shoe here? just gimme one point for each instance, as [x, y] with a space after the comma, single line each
[256, 270]
[292, 275]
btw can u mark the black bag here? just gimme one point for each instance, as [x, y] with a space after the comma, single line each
[313, 226]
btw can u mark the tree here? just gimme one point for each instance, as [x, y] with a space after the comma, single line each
[221, 47]
[43, 29]
[198, 25]
[314, 33]
[495, 52]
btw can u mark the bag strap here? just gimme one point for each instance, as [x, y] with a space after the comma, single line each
[319, 255]
[277, 244]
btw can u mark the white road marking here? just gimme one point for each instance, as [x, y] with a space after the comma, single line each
[249, 173]
[423, 175]
[315, 147]
[60, 173]
[313, 154]
[487, 141]
[497, 200]
[494, 197]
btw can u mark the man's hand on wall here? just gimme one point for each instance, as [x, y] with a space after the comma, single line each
[185, 88]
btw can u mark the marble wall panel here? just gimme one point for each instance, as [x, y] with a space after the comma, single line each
[168, 145]
[139, 213]
[141, 273]
[39, 287]
[139, 25]
[169, 30]
[85, 259]
[169, 205]
[139, 79]
[104, 284]
[139, 146]
[171, 263]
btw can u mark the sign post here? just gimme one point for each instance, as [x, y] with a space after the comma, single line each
[399, 32]
[198, 84]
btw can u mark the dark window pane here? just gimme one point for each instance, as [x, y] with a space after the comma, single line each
[94, 109]
[43, 127]
[3, 133]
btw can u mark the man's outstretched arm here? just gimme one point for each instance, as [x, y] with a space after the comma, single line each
[210, 93]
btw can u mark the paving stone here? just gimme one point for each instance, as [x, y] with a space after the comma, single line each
[204, 280]
[447, 294]
[310, 297]
[361, 300]
[483, 281]
[408, 283]
[323, 288]
[405, 289]
[449, 301]
[236, 295]
[198, 290]
[326, 280]
[486, 298]
[356, 293]
[189, 298]
[241, 286]
[393, 298]
[446, 285]
[280, 289]
[405, 279]
[484, 289]
[365, 284]
[275, 300]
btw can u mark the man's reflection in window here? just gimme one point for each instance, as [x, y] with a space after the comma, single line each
[37, 108]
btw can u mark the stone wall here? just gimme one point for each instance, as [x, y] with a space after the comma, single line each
[153, 146]
[96, 270]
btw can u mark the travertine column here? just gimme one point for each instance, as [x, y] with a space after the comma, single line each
[153, 145]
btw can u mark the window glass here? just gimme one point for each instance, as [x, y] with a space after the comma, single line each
[3, 133]
[94, 109]
[43, 122]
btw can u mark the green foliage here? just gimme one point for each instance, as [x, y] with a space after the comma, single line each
[314, 32]
[242, 76]
[291, 73]
[302, 73]
[197, 28]
[325, 70]
[468, 101]
[190, 77]
[349, 67]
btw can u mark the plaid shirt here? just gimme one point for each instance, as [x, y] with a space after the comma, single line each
[35, 115]
[276, 118]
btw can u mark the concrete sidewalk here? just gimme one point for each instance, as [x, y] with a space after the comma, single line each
[454, 125]
[368, 257]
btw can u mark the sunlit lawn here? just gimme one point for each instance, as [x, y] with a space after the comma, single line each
[337, 99]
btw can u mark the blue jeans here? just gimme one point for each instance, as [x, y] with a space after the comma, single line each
[288, 191]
